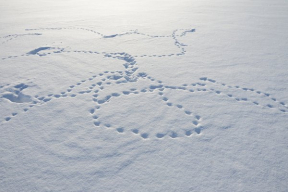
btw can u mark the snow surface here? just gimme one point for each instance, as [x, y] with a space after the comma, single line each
[125, 95]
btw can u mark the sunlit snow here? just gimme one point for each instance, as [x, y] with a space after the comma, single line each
[149, 95]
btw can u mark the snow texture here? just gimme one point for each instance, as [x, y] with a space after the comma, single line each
[144, 96]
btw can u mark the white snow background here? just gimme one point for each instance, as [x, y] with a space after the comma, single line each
[154, 95]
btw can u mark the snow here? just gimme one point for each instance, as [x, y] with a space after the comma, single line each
[143, 95]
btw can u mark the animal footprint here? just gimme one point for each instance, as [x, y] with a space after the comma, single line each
[244, 94]
[152, 118]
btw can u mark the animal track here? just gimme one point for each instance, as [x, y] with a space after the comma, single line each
[14, 94]
[8, 38]
[97, 87]
[48, 50]
[251, 93]
[145, 134]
